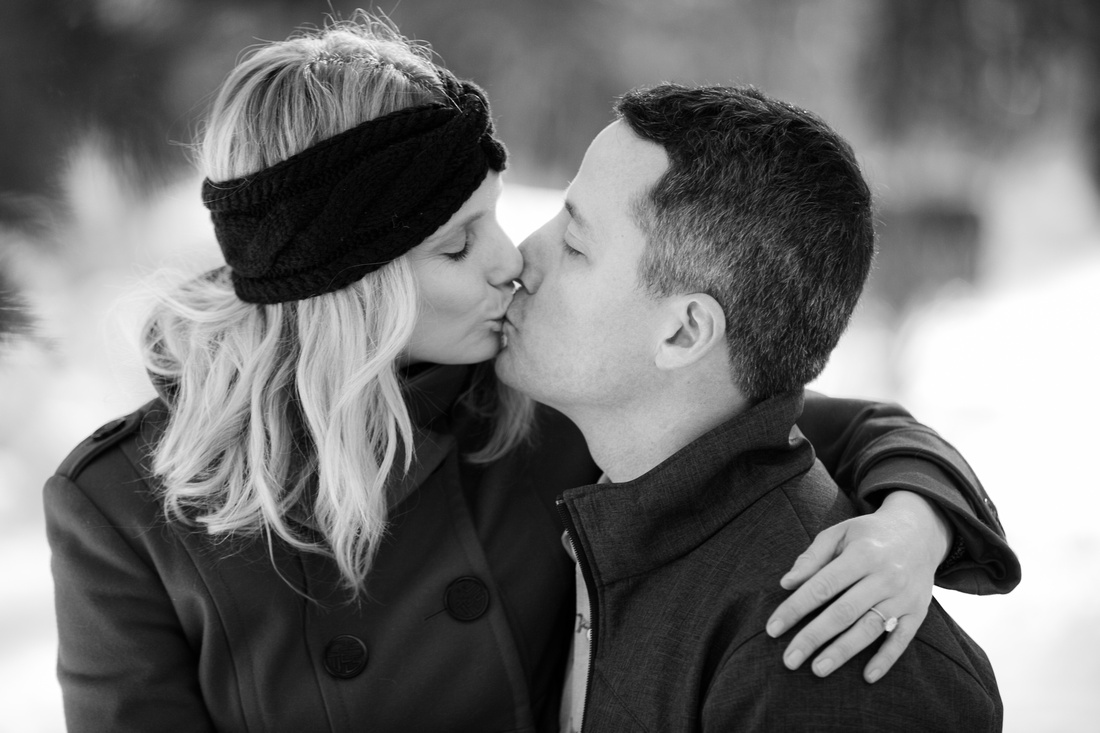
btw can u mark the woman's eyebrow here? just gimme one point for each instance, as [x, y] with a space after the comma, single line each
[442, 235]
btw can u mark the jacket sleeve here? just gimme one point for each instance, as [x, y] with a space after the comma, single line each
[873, 448]
[124, 663]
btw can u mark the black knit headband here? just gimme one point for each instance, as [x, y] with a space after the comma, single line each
[322, 219]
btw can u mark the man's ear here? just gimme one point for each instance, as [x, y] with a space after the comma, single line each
[695, 326]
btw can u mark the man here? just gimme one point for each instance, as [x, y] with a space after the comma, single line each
[708, 258]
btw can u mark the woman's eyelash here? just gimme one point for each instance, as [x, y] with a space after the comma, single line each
[460, 255]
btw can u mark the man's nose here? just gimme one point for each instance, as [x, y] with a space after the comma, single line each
[507, 261]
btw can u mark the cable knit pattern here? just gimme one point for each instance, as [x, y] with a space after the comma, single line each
[324, 218]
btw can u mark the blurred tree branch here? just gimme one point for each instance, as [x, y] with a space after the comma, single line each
[138, 72]
[15, 318]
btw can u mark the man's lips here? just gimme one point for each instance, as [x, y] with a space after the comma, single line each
[506, 326]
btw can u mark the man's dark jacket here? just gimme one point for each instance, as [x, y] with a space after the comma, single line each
[683, 567]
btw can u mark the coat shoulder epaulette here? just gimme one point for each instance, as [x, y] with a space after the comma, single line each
[103, 439]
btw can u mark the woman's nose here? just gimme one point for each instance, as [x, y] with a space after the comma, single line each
[531, 249]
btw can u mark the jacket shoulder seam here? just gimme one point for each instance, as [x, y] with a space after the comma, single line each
[101, 440]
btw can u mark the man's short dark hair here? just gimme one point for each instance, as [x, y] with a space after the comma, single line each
[763, 207]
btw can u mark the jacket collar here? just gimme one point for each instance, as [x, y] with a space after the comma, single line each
[431, 390]
[430, 394]
[633, 527]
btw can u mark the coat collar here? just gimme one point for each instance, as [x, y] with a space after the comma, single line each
[430, 394]
[633, 527]
[431, 391]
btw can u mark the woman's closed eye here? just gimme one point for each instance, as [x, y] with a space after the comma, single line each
[462, 253]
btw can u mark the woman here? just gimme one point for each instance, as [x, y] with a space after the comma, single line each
[333, 516]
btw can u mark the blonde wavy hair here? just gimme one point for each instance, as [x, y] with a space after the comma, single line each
[286, 420]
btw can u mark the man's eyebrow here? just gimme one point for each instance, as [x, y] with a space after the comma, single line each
[575, 215]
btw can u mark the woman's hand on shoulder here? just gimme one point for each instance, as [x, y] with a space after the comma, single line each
[882, 563]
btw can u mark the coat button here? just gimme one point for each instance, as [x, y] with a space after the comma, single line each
[466, 599]
[345, 657]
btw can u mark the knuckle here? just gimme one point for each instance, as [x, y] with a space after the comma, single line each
[844, 612]
[872, 623]
[806, 558]
[886, 552]
[796, 601]
[848, 647]
[821, 588]
[808, 639]
[864, 545]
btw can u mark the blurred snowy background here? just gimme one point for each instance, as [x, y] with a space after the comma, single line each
[977, 122]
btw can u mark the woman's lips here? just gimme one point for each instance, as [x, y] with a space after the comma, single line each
[507, 327]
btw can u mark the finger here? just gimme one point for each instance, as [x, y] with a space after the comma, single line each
[897, 641]
[836, 618]
[825, 547]
[862, 634]
[825, 585]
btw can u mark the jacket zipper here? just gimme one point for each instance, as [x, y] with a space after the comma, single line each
[571, 533]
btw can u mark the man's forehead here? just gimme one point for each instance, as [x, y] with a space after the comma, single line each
[620, 164]
[618, 167]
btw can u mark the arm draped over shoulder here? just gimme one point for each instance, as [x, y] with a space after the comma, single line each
[872, 448]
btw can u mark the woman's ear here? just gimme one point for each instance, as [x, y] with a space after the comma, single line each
[695, 326]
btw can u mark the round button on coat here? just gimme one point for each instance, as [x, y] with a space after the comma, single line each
[345, 656]
[466, 599]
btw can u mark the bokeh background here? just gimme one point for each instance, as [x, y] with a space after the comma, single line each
[977, 121]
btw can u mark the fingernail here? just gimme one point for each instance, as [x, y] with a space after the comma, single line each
[873, 675]
[823, 667]
[793, 658]
[775, 627]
